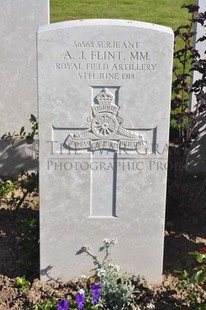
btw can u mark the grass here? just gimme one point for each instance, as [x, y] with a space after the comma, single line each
[163, 12]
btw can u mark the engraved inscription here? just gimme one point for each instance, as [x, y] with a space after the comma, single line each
[106, 60]
[106, 130]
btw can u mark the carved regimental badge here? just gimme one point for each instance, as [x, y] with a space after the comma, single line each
[106, 130]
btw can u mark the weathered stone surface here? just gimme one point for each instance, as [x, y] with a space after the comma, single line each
[19, 21]
[104, 101]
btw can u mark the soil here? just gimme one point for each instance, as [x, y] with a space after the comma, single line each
[185, 231]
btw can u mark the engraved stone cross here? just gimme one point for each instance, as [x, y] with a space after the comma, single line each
[103, 139]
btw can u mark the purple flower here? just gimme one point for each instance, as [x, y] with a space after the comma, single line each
[80, 301]
[63, 305]
[95, 288]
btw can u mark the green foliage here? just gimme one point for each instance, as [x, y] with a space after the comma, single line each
[199, 275]
[114, 288]
[186, 60]
[182, 274]
[50, 304]
[29, 136]
[117, 288]
[6, 188]
[29, 239]
[21, 283]
[34, 130]
[15, 192]
[181, 78]
[194, 285]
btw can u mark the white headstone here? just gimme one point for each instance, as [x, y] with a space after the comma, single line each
[19, 20]
[104, 103]
[196, 162]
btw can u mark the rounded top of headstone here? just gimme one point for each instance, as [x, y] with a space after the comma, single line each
[105, 22]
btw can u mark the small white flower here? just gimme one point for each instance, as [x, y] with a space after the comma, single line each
[117, 267]
[81, 291]
[106, 241]
[150, 306]
[100, 272]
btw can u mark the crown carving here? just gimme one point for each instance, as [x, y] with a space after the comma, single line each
[104, 97]
[105, 103]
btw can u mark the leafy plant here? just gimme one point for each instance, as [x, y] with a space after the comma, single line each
[29, 136]
[114, 288]
[199, 275]
[28, 183]
[50, 304]
[34, 130]
[22, 283]
[7, 188]
[184, 118]
[29, 240]
[194, 285]
[108, 288]
[180, 112]
[187, 59]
